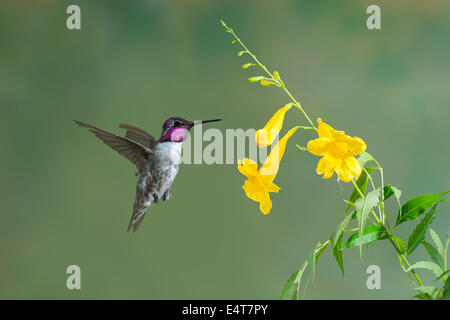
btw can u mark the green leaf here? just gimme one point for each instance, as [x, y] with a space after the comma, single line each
[437, 242]
[400, 244]
[429, 290]
[433, 253]
[313, 258]
[370, 234]
[442, 275]
[363, 208]
[436, 269]
[320, 248]
[337, 252]
[292, 286]
[340, 229]
[288, 286]
[446, 292]
[389, 190]
[362, 185]
[418, 234]
[416, 206]
[364, 158]
[240, 53]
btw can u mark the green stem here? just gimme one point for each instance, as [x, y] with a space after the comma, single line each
[388, 232]
[403, 258]
[271, 77]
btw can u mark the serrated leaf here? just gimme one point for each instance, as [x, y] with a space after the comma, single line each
[400, 244]
[292, 286]
[287, 289]
[419, 232]
[416, 206]
[370, 234]
[320, 249]
[340, 229]
[364, 158]
[336, 245]
[362, 185]
[429, 290]
[446, 292]
[437, 242]
[428, 265]
[390, 190]
[442, 275]
[363, 208]
[433, 253]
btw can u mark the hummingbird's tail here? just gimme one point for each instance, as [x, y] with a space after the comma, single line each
[136, 219]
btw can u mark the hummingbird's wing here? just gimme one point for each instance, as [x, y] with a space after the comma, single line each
[138, 135]
[132, 150]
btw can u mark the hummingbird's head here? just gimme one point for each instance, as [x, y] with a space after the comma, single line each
[176, 129]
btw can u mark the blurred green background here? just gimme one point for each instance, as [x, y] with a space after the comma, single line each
[65, 198]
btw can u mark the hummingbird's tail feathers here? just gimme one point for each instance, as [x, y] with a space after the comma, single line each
[138, 135]
[136, 220]
[132, 150]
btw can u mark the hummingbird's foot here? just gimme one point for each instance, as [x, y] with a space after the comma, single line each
[166, 195]
[155, 198]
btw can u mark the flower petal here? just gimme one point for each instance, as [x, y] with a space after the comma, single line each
[265, 136]
[252, 190]
[325, 130]
[356, 146]
[272, 163]
[326, 166]
[269, 185]
[248, 167]
[265, 205]
[349, 169]
[319, 147]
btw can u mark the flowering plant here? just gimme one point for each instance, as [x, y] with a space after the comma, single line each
[364, 209]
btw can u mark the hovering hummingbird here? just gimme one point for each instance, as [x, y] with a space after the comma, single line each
[157, 161]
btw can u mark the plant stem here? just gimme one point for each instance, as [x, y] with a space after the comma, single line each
[271, 77]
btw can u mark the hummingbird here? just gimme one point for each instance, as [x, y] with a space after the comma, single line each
[157, 160]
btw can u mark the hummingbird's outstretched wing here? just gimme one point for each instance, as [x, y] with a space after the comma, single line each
[138, 135]
[132, 150]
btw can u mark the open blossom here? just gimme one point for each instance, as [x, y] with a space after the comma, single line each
[338, 151]
[265, 136]
[260, 182]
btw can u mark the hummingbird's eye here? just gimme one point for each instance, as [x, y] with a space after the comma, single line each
[177, 123]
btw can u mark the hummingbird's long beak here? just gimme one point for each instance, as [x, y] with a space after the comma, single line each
[205, 121]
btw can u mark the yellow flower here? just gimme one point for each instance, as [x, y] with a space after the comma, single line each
[257, 186]
[338, 151]
[265, 136]
[260, 182]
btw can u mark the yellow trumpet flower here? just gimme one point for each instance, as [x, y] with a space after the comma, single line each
[265, 136]
[260, 182]
[338, 151]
